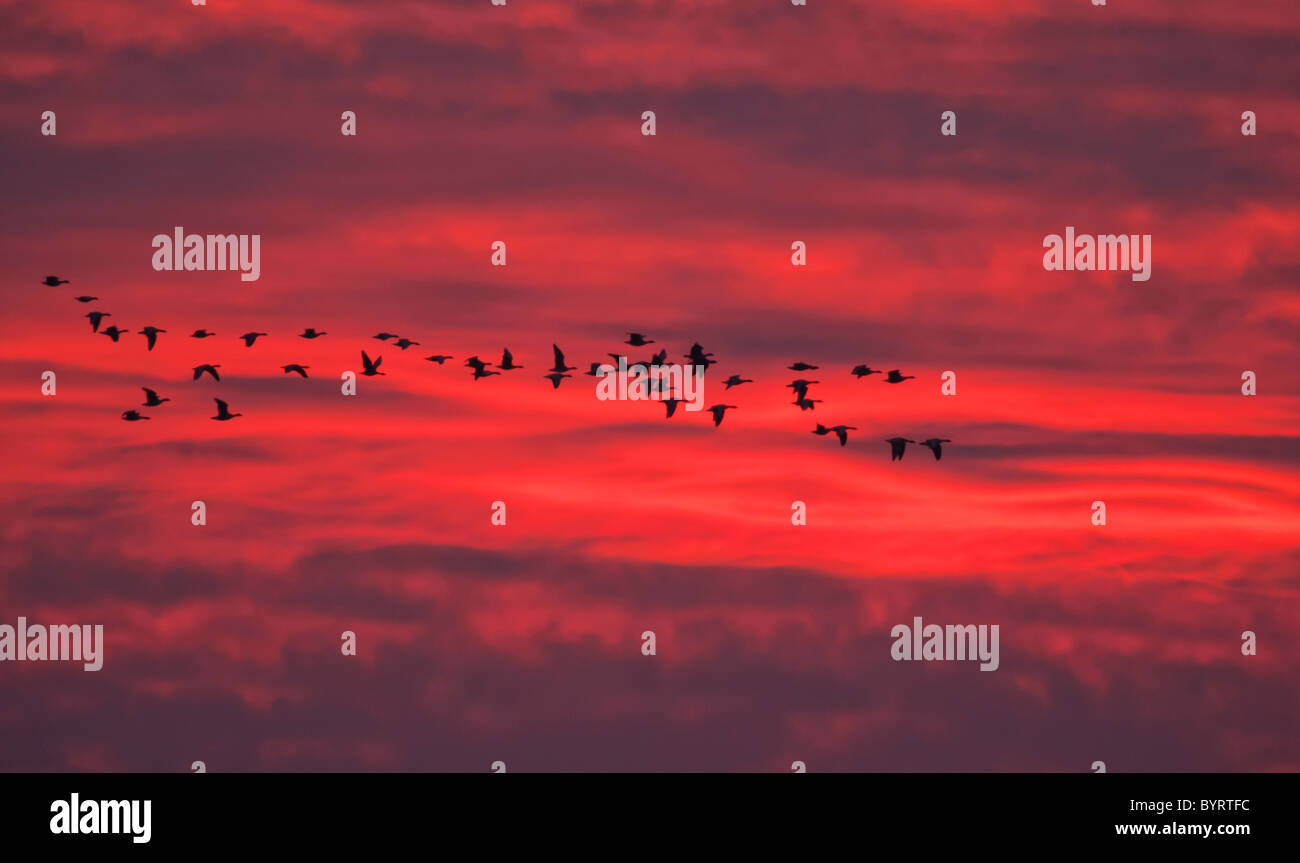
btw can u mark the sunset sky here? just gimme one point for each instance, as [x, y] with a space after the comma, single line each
[775, 124]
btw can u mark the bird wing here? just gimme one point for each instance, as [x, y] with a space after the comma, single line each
[221, 406]
[843, 435]
[559, 356]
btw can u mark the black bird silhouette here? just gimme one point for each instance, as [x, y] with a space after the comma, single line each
[718, 411]
[383, 337]
[84, 299]
[151, 333]
[670, 405]
[371, 368]
[800, 388]
[595, 371]
[294, 367]
[507, 361]
[475, 363]
[54, 281]
[560, 365]
[483, 373]
[249, 338]
[223, 412]
[151, 399]
[842, 432]
[863, 371]
[439, 358]
[896, 447]
[556, 377]
[735, 381]
[201, 334]
[700, 357]
[806, 404]
[95, 318]
[821, 430]
[936, 446]
[801, 367]
[896, 378]
[310, 333]
[404, 343]
[133, 415]
[113, 333]
[637, 340]
[209, 368]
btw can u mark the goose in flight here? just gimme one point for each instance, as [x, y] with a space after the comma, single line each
[439, 358]
[507, 361]
[371, 368]
[133, 415]
[54, 281]
[209, 368]
[896, 378]
[556, 377]
[821, 430]
[85, 299]
[404, 343]
[596, 372]
[801, 367]
[383, 337]
[201, 334]
[735, 381]
[560, 365]
[637, 340]
[896, 447]
[223, 411]
[718, 411]
[113, 333]
[700, 357]
[483, 373]
[95, 318]
[842, 432]
[800, 388]
[249, 338]
[863, 371]
[294, 367]
[806, 404]
[151, 399]
[936, 446]
[311, 333]
[151, 333]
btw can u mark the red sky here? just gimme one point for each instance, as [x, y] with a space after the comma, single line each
[775, 123]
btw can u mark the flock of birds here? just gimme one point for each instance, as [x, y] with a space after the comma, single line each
[480, 369]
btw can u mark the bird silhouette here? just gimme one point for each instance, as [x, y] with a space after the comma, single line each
[896, 447]
[637, 340]
[735, 381]
[936, 446]
[133, 415]
[670, 406]
[113, 333]
[700, 357]
[249, 338]
[383, 337]
[371, 368]
[85, 299]
[556, 377]
[201, 334]
[209, 368]
[310, 333]
[483, 373]
[223, 411]
[404, 343]
[95, 318]
[595, 371]
[806, 404]
[507, 361]
[54, 281]
[800, 388]
[560, 365]
[439, 358]
[718, 411]
[151, 333]
[842, 432]
[896, 378]
[863, 371]
[151, 399]
[801, 367]
[821, 430]
[294, 367]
